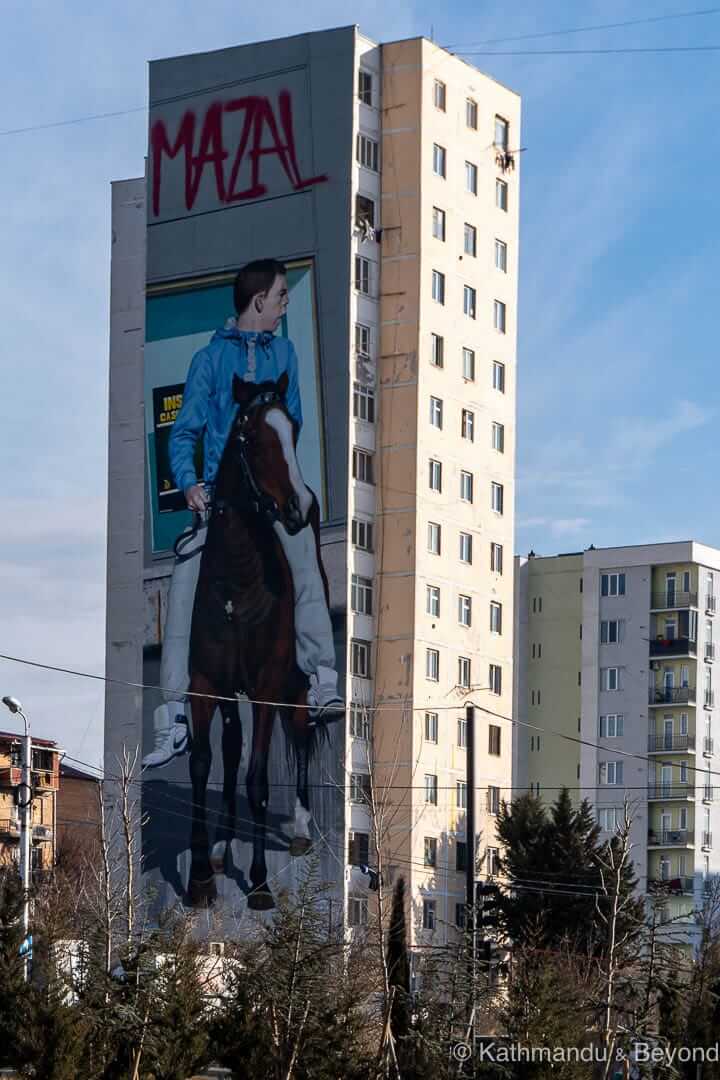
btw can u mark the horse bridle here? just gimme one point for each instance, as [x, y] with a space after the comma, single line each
[260, 502]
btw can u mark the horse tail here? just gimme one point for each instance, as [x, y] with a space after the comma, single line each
[301, 734]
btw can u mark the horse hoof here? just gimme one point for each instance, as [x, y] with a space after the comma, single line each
[202, 893]
[300, 845]
[261, 899]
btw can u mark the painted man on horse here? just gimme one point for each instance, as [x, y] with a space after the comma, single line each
[247, 348]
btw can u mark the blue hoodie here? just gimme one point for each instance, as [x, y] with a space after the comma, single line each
[208, 407]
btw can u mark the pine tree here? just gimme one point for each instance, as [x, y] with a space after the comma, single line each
[15, 994]
[398, 962]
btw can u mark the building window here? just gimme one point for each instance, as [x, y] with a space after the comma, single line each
[429, 915]
[611, 772]
[468, 364]
[358, 848]
[471, 178]
[362, 534]
[430, 851]
[493, 794]
[496, 497]
[362, 275]
[360, 658]
[359, 722]
[612, 584]
[366, 150]
[462, 732]
[612, 631]
[470, 240]
[466, 486]
[439, 160]
[499, 316]
[432, 601]
[464, 610]
[431, 788]
[461, 795]
[434, 538]
[467, 425]
[609, 818]
[465, 547]
[611, 726]
[471, 113]
[435, 475]
[610, 678]
[498, 437]
[362, 340]
[501, 256]
[495, 679]
[437, 350]
[495, 617]
[438, 223]
[361, 595]
[464, 672]
[492, 861]
[438, 287]
[357, 911]
[432, 665]
[439, 94]
[431, 727]
[362, 466]
[501, 195]
[496, 558]
[359, 787]
[494, 735]
[365, 217]
[498, 374]
[502, 133]
[436, 412]
[460, 855]
[365, 87]
[469, 301]
[363, 402]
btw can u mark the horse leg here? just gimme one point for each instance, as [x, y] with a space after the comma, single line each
[260, 898]
[301, 841]
[202, 890]
[231, 752]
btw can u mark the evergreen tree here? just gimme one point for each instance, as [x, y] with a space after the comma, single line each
[15, 994]
[398, 963]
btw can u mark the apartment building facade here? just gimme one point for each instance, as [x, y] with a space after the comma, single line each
[396, 214]
[615, 658]
[45, 783]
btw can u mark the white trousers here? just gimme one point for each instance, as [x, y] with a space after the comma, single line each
[315, 649]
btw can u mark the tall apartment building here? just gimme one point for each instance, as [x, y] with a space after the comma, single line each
[616, 647]
[385, 178]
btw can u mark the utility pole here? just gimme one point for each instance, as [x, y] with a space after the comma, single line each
[25, 804]
[470, 863]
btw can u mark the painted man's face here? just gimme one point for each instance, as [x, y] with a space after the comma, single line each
[274, 304]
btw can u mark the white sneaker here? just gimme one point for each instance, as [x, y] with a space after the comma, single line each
[172, 736]
[323, 697]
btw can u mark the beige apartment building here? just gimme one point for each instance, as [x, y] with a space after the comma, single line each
[615, 658]
[441, 326]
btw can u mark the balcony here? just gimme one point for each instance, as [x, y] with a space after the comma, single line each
[679, 646]
[671, 695]
[672, 886]
[708, 793]
[669, 743]
[670, 791]
[709, 650]
[710, 603]
[42, 833]
[708, 746]
[10, 827]
[10, 776]
[709, 699]
[673, 600]
[671, 838]
[706, 841]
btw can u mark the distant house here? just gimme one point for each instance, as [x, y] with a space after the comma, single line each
[78, 814]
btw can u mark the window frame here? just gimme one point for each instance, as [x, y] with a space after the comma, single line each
[466, 539]
[501, 194]
[500, 316]
[367, 152]
[500, 256]
[363, 93]
[464, 609]
[469, 234]
[468, 361]
[497, 437]
[467, 425]
[439, 166]
[435, 471]
[438, 223]
[432, 601]
[363, 402]
[360, 647]
[437, 291]
[496, 557]
[432, 664]
[470, 301]
[467, 486]
[434, 529]
[471, 113]
[437, 350]
[361, 594]
[431, 727]
[471, 177]
[358, 527]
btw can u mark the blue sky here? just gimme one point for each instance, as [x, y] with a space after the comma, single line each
[618, 396]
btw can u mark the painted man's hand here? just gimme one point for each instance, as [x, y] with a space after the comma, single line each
[196, 498]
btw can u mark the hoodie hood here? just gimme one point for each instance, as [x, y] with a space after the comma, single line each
[230, 332]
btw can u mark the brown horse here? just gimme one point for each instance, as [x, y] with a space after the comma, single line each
[243, 632]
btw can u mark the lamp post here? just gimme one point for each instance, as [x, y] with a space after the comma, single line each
[25, 803]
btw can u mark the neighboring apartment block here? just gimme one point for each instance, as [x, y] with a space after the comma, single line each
[615, 658]
[45, 780]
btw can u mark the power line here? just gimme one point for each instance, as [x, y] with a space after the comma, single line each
[589, 29]
[591, 52]
[74, 120]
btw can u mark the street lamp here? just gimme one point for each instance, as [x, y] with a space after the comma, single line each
[25, 803]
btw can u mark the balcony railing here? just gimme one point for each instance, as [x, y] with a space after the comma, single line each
[678, 646]
[10, 827]
[670, 791]
[672, 886]
[707, 840]
[670, 837]
[709, 699]
[708, 745]
[709, 650]
[671, 695]
[708, 793]
[672, 599]
[670, 742]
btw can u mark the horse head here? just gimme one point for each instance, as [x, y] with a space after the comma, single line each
[262, 448]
